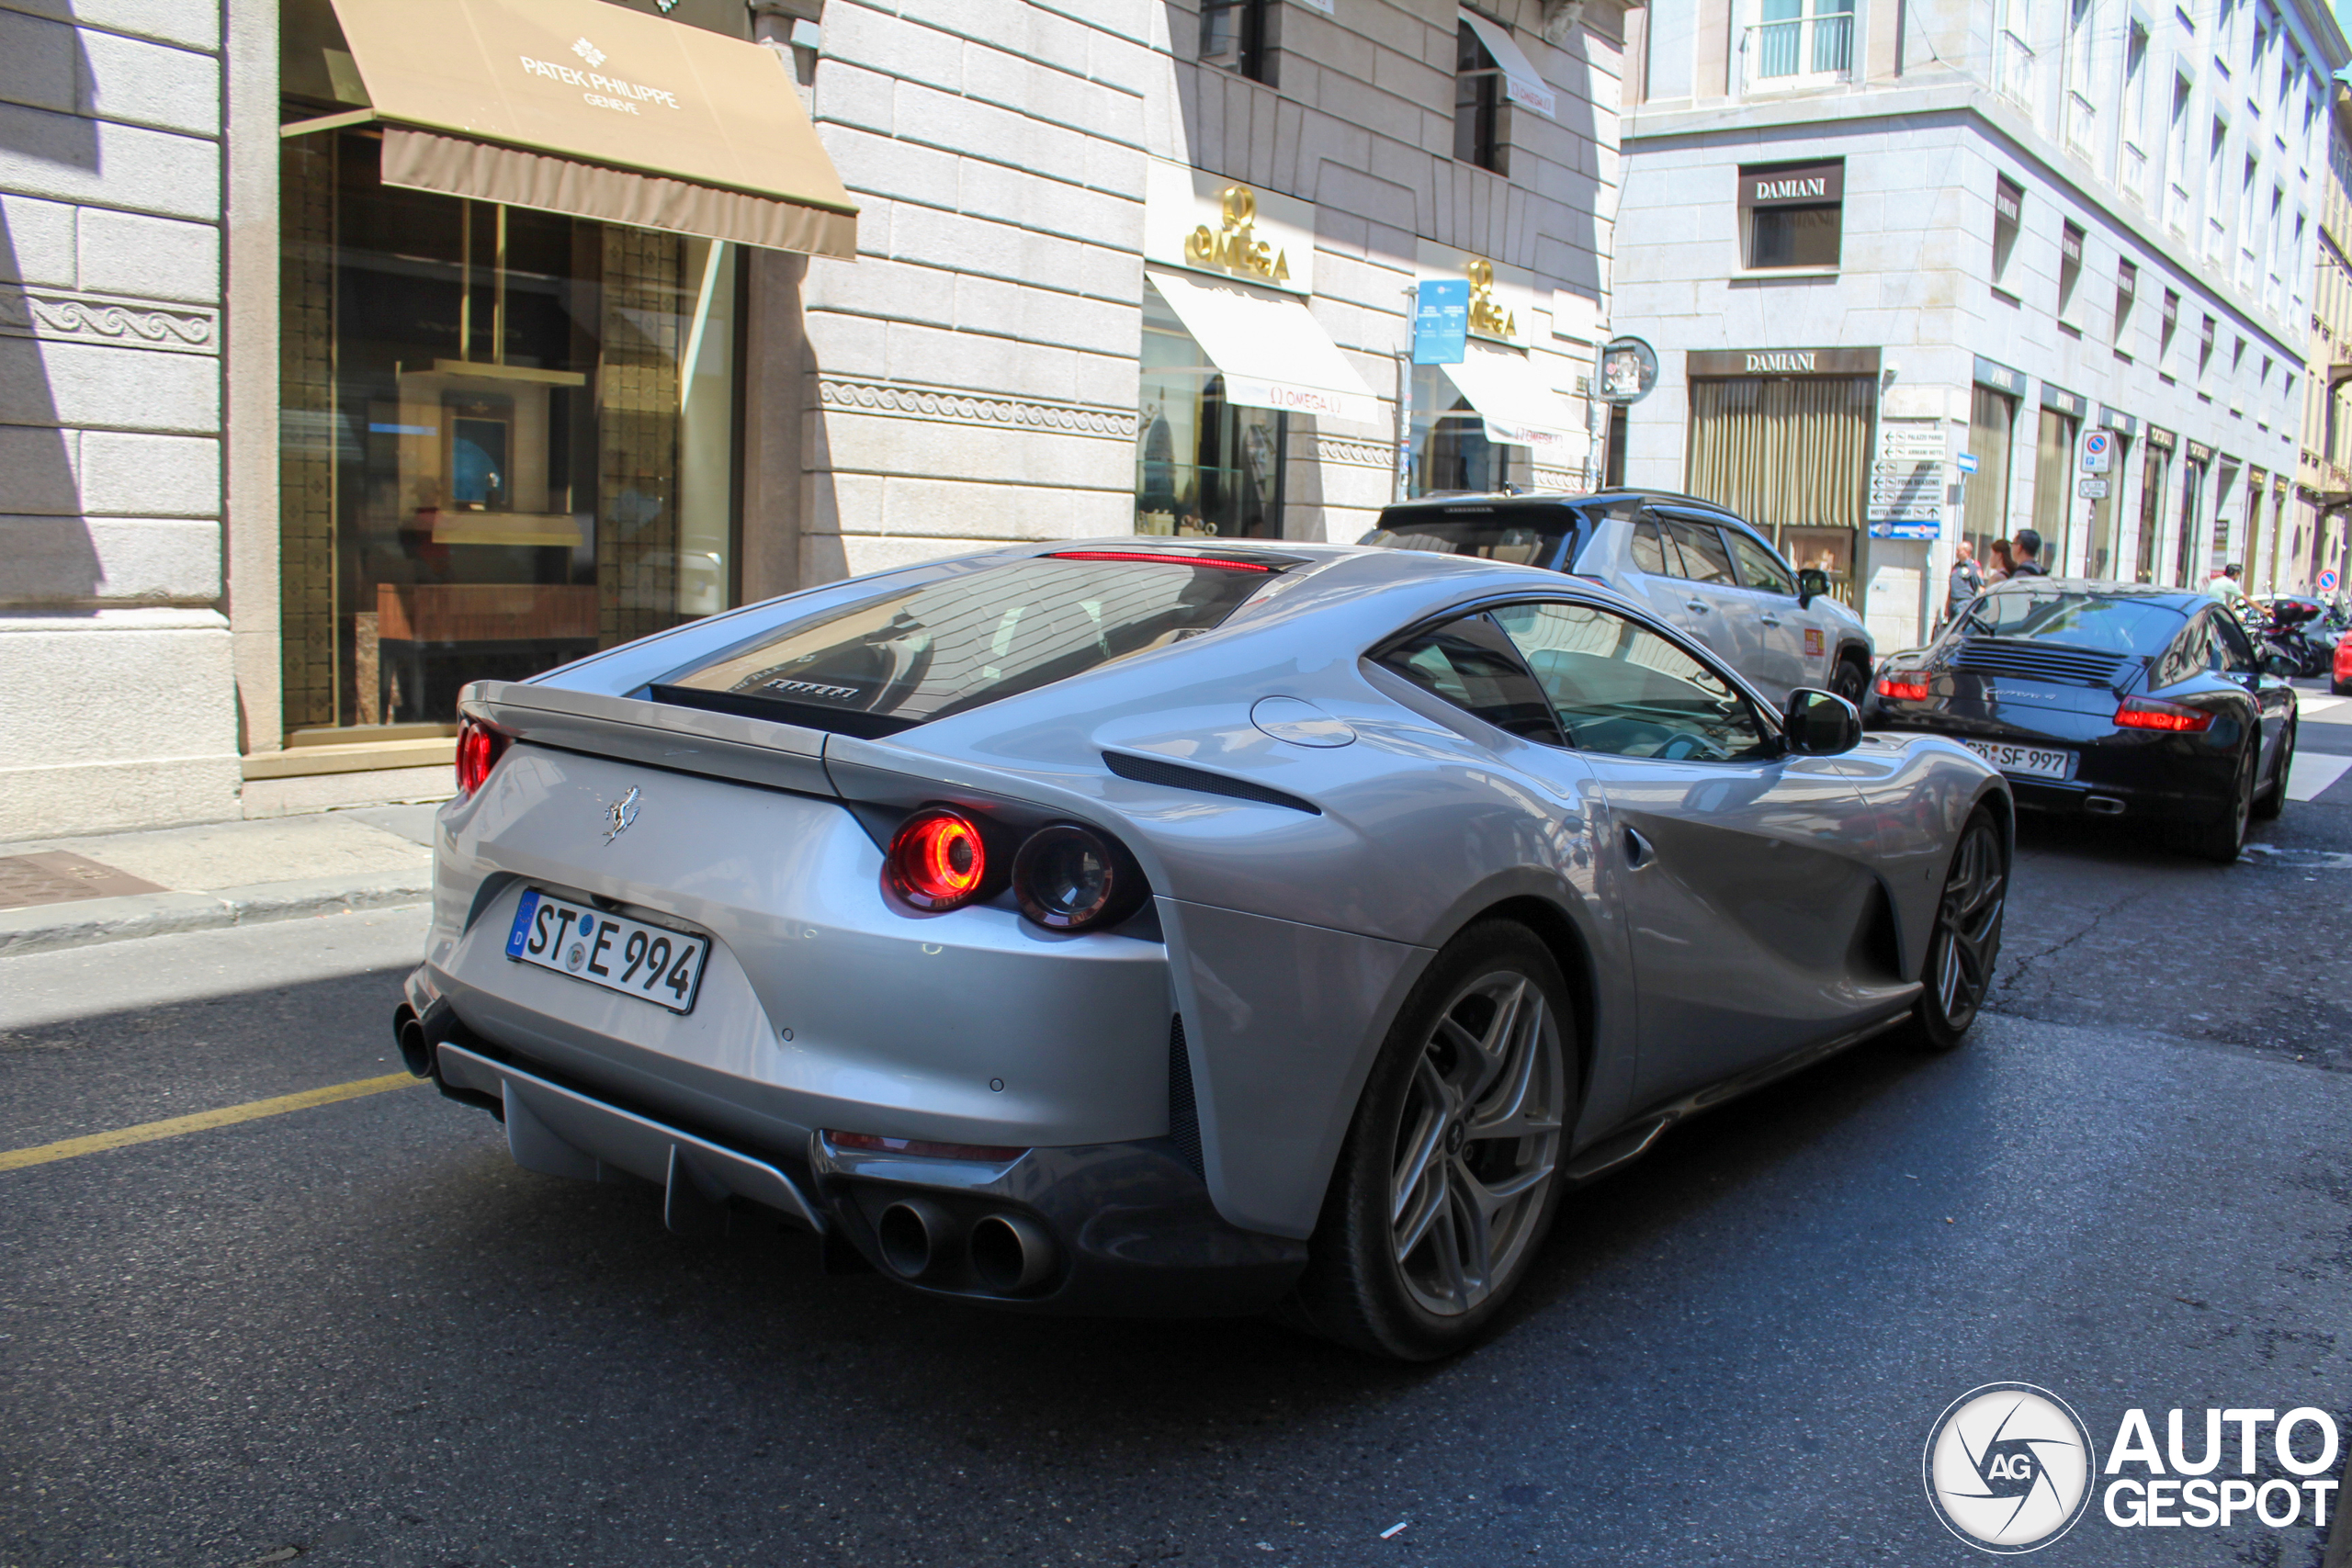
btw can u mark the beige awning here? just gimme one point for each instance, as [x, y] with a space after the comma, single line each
[582, 108]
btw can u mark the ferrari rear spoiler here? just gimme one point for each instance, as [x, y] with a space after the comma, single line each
[662, 735]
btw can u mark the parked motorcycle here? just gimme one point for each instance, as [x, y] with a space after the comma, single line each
[2286, 623]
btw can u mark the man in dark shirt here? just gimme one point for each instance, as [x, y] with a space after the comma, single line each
[2027, 546]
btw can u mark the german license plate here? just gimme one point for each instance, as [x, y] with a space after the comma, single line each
[2026, 761]
[652, 962]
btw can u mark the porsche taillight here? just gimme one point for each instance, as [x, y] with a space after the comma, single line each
[2154, 712]
[1910, 686]
[479, 749]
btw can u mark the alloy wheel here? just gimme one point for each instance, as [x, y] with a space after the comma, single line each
[1968, 925]
[1477, 1142]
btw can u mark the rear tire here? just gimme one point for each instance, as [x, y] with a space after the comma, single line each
[1449, 1178]
[1964, 944]
[2221, 840]
[2272, 801]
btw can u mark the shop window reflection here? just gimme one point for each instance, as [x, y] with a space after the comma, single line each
[509, 439]
[1204, 466]
[1451, 450]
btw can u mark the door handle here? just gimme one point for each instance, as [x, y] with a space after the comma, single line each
[1768, 620]
[1698, 604]
[1638, 852]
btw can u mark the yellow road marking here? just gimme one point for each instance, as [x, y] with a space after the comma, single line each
[227, 1116]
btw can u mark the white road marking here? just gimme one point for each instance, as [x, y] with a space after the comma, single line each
[2314, 772]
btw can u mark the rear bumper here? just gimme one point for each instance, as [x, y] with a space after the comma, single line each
[2117, 773]
[1127, 1229]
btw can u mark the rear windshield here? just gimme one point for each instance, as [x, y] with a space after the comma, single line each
[2075, 618]
[1526, 538]
[915, 654]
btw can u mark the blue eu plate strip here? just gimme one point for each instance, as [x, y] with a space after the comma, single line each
[515, 938]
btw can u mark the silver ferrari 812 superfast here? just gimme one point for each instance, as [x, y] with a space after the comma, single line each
[1177, 926]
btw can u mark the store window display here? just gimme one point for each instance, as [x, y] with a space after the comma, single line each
[1204, 466]
[510, 438]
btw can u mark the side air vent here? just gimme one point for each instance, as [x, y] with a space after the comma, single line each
[2040, 661]
[1183, 1116]
[1176, 775]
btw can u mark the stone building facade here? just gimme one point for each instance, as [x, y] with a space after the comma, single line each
[299, 439]
[115, 651]
[2319, 539]
[2060, 256]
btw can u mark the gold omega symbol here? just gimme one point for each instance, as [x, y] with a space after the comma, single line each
[1235, 247]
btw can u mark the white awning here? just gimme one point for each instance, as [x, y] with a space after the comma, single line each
[1521, 81]
[1269, 350]
[1519, 409]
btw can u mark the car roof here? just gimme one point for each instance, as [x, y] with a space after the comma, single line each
[1555, 497]
[2106, 588]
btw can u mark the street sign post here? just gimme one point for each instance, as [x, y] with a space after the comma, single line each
[2091, 489]
[1967, 462]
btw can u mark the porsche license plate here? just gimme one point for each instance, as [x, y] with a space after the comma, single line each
[652, 962]
[2026, 761]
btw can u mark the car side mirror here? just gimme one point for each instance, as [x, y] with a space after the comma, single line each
[1820, 724]
[1811, 583]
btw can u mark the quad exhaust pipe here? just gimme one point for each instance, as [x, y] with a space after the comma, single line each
[1005, 1253]
[417, 1051]
[1011, 1253]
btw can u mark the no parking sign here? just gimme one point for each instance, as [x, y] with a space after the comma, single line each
[2327, 580]
[2099, 452]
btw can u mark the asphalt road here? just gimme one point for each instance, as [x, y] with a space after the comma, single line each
[357, 1334]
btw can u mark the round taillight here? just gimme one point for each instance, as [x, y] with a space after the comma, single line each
[479, 747]
[938, 861]
[1070, 878]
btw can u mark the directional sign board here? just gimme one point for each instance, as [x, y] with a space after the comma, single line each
[2091, 489]
[1441, 321]
[2099, 452]
[1967, 461]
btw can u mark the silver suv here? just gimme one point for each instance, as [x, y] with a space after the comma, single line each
[1690, 562]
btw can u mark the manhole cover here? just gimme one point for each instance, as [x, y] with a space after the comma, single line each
[59, 877]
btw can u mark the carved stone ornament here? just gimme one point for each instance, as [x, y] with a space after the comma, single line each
[121, 324]
[949, 405]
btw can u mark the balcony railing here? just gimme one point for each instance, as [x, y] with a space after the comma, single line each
[2082, 123]
[1800, 51]
[2013, 61]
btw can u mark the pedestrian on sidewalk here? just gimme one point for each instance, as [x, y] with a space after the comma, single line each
[2003, 563]
[1966, 583]
[2027, 547]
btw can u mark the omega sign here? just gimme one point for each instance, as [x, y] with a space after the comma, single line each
[1235, 247]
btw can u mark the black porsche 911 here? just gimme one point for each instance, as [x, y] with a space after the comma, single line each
[2109, 698]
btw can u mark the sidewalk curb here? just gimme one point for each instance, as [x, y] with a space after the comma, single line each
[48, 928]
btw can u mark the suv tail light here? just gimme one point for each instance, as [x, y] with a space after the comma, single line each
[938, 861]
[479, 749]
[2154, 712]
[1070, 878]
